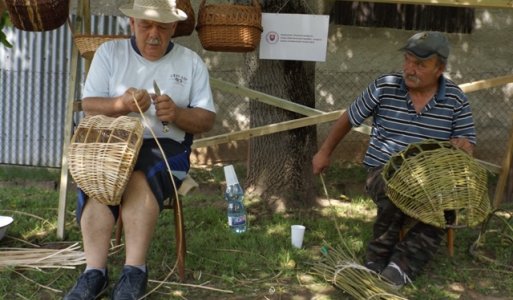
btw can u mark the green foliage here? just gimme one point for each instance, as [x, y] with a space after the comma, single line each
[4, 22]
[258, 264]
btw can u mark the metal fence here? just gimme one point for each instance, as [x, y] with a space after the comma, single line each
[34, 85]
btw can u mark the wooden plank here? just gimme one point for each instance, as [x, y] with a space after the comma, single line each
[268, 129]
[455, 3]
[486, 83]
[273, 128]
[264, 98]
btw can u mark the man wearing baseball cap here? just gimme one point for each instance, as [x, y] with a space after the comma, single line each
[121, 82]
[418, 104]
[426, 44]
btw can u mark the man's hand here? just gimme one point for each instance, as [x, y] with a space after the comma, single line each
[133, 96]
[165, 107]
[463, 144]
[320, 162]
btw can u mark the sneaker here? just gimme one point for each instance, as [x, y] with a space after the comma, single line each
[396, 277]
[375, 266]
[131, 284]
[90, 285]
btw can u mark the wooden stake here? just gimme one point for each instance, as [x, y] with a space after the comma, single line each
[505, 173]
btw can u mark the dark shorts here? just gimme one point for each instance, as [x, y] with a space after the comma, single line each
[151, 163]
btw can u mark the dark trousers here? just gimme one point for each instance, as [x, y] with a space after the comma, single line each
[417, 247]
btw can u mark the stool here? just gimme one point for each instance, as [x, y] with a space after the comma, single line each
[450, 239]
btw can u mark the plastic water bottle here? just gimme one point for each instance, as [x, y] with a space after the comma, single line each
[234, 195]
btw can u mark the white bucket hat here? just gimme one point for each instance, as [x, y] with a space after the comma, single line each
[163, 11]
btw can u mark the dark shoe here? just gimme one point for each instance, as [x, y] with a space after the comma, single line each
[131, 284]
[396, 277]
[90, 285]
[375, 266]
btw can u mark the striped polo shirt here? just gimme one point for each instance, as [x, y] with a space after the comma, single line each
[396, 124]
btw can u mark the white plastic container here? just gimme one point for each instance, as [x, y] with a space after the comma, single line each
[4, 223]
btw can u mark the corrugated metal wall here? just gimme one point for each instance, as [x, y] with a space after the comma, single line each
[34, 87]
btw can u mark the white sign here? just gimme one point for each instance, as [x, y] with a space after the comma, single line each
[294, 37]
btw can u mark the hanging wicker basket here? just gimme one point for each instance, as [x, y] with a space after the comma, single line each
[431, 177]
[38, 15]
[229, 27]
[102, 155]
[88, 43]
[185, 27]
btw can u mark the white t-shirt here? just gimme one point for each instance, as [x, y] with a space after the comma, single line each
[180, 74]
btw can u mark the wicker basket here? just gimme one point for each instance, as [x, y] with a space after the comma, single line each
[87, 43]
[431, 177]
[229, 27]
[185, 27]
[38, 15]
[102, 155]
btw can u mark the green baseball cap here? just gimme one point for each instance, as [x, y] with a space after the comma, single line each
[425, 44]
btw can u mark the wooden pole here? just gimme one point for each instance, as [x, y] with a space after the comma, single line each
[268, 129]
[486, 83]
[505, 172]
[68, 124]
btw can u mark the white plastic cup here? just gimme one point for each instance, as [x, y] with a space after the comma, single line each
[297, 233]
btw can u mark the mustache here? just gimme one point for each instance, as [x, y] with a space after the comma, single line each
[411, 78]
[153, 41]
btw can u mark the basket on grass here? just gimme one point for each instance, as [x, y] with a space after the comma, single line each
[229, 27]
[185, 27]
[88, 43]
[431, 177]
[37, 15]
[102, 155]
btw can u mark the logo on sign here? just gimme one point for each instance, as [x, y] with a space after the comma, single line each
[272, 37]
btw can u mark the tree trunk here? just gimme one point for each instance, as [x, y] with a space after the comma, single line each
[279, 165]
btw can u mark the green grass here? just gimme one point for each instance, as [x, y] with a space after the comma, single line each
[259, 264]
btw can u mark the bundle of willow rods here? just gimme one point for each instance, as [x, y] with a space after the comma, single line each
[340, 267]
[40, 258]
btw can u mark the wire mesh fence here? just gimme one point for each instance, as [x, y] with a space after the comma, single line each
[32, 116]
[492, 110]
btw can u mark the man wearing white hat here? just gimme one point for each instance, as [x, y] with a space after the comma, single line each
[120, 82]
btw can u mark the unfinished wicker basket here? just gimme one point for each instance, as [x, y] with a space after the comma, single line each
[431, 177]
[38, 15]
[229, 27]
[102, 155]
